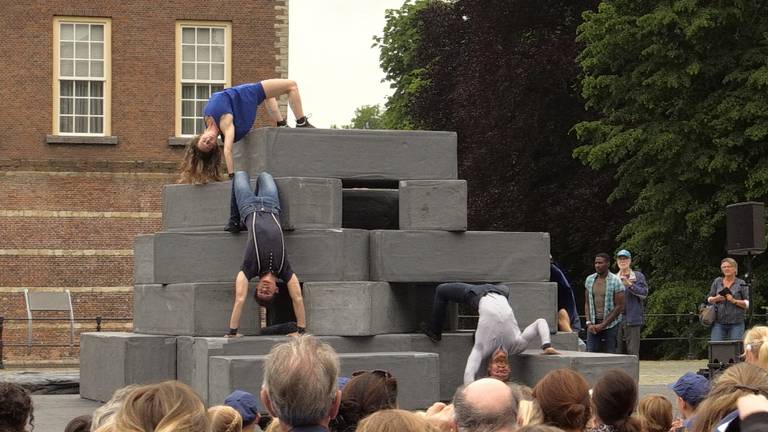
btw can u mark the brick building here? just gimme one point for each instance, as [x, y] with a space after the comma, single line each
[97, 99]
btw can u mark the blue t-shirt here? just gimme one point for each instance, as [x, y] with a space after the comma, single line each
[240, 101]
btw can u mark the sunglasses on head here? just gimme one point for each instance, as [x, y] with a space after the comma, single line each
[379, 372]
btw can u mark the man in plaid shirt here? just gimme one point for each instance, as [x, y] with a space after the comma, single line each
[603, 306]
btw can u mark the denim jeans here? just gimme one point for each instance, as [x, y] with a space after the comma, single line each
[445, 293]
[244, 202]
[604, 342]
[725, 332]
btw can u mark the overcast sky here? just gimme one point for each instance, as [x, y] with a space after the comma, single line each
[331, 58]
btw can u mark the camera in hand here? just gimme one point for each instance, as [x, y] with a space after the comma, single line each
[725, 292]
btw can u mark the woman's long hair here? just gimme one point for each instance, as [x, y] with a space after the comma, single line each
[225, 419]
[615, 397]
[199, 167]
[169, 406]
[563, 396]
[15, 408]
[656, 413]
[756, 342]
[739, 380]
[364, 394]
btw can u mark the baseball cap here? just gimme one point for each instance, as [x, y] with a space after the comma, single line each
[624, 253]
[244, 403]
[691, 387]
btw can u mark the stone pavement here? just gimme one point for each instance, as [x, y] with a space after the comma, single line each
[53, 412]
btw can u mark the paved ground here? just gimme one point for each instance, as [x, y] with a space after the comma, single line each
[53, 412]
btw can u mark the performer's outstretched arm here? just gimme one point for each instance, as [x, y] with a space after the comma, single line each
[294, 290]
[474, 361]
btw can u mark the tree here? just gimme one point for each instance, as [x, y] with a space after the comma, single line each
[367, 117]
[680, 92]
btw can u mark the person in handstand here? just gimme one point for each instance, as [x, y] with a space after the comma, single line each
[498, 334]
[265, 258]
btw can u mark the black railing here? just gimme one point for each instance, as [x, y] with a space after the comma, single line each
[98, 320]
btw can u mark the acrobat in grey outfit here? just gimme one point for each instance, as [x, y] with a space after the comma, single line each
[498, 333]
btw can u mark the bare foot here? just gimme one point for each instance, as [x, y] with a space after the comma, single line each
[550, 351]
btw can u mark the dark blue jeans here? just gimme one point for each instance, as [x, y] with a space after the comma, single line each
[726, 332]
[449, 292]
[603, 342]
[244, 202]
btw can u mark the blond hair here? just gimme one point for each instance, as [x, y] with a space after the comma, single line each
[105, 414]
[274, 425]
[224, 419]
[164, 407]
[529, 413]
[656, 413]
[756, 342]
[739, 380]
[394, 420]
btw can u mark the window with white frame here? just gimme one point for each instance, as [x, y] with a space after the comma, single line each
[203, 60]
[82, 67]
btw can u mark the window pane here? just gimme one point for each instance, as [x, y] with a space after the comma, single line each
[81, 50]
[188, 126]
[67, 32]
[187, 71]
[81, 106]
[81, 88]
[97, 125]
[216, 88]
[203, 71]
[217, 53]
[66, 88]
[67, 68]
[203, 54]
[97, 69]
[187, 35]
[81, 32]
[81, 124]
[97, 106]
[200, 107]
[187, 108]
[81, 68]
[217, 72]
[97, 32]
[65, 106]
[217, 36]
[65, 124]
[67, 50]
[202, 92]
[203, 36]
[97, 51]
[188, 92]
[96, 89]
[188, 53]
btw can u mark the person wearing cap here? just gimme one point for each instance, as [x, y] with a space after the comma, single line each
[246, 404]
[636, 290]
[690, 390]
[604, 306]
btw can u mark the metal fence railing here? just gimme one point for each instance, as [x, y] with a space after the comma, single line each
[3, 343]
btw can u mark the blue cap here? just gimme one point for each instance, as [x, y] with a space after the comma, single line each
[244, 403]
[692, 388]
[624, 253]
[342, 381]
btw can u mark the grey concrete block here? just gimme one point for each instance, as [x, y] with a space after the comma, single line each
[433, 205]
[191, 309]
[533, 300]
[186, 257]
[348, 154]
[416, 372]
[362, 308]
[567, 341]
[471, 256]
[370, 208]
[109, 361]
[530, 366]
[307, 203]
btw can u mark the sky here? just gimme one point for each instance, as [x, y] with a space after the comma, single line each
[331, 58]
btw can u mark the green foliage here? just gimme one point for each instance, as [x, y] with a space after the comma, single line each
[680, 88]
[367, 117]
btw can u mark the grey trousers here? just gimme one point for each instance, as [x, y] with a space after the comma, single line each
[629, 339]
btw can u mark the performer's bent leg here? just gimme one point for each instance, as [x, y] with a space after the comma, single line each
[241, 188]
[563, 321]
[241, 292]
[266, 187]
[443, 294]
[277, 87]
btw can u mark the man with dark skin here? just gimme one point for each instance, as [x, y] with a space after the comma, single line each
[603, 306]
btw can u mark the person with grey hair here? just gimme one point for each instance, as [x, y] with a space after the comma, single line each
[299, 386]
[486, 405]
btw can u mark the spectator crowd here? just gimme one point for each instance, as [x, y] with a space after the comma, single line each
[302, 391]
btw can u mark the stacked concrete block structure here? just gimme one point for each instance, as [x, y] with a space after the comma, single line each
[373, 221]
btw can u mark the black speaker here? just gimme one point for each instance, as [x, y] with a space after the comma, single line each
[725, 352]
[746, 228]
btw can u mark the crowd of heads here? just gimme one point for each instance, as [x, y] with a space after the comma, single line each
[303, 387]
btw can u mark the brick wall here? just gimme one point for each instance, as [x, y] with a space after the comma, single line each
[69, 212]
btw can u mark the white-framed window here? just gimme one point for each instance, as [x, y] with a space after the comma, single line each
[81, 81]
[203, 66]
